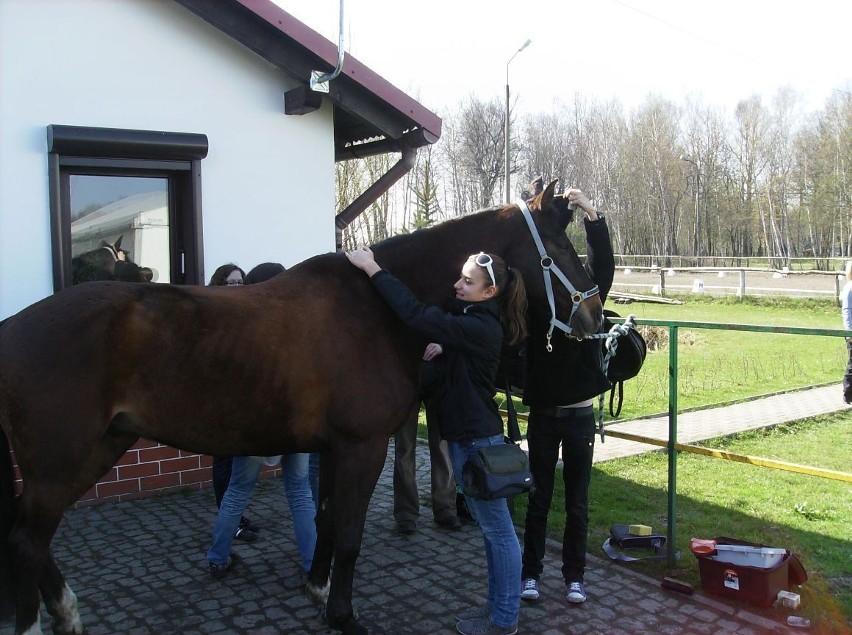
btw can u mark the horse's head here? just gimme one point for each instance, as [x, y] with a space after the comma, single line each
[108, 262]
[558, 286]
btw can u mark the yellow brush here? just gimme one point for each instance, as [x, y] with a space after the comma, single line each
[639, 530]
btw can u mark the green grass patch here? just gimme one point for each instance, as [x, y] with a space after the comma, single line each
[807, 515]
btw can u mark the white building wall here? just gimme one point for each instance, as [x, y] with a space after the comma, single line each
[267, 182]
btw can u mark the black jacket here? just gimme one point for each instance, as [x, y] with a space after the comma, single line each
[572, 372]
[471, 336]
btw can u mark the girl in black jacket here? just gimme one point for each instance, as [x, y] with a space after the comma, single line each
[470, 335]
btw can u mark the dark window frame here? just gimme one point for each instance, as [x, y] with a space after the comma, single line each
[119, 152]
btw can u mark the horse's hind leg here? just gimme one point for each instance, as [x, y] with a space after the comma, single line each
[357, 471]
[318, 579]
[48, 491]
[29, 542]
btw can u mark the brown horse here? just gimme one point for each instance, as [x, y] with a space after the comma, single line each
[310, 360]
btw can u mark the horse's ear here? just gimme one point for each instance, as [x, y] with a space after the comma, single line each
[547, 195]
[535, 188]
[564, 212]
[117, 243]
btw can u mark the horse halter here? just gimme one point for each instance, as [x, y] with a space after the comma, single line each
[549, 269]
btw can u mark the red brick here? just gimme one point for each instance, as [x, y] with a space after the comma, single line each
[129, 457]
[117, 487]
[110, 476]
[195, 476]
[178, 465]
[138, 470]
[159, 453]
[158, 482]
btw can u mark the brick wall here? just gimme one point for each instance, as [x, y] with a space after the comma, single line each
[150, 468]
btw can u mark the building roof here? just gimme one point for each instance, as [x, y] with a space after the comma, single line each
[371, 115]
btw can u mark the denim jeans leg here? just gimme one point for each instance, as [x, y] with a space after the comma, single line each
[244, 471]
[295, 469]
[502, 549]
[313, 475]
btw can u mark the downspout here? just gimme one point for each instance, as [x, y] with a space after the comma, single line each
[320, 80]
[372, 193]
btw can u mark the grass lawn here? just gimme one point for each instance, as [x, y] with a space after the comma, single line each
[807, 515]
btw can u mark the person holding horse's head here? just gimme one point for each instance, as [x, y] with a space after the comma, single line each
[227, 275]
[489, 306]
[563, 376]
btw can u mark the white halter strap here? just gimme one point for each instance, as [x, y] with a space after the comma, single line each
[549, 268]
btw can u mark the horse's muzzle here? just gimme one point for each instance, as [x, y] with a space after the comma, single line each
[588, 318]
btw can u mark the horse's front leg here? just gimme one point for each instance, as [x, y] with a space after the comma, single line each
[60, 600]
[357, 470]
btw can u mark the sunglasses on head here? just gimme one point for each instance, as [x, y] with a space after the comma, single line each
[485, 261]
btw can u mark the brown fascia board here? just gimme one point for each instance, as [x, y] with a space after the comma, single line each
[296, 49]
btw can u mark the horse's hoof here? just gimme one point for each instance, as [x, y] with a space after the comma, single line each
[348, 626]
[316, 594]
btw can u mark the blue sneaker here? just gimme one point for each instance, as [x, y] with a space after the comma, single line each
[530, 590]
[576, 592]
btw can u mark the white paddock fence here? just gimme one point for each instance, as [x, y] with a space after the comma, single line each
[739, 281]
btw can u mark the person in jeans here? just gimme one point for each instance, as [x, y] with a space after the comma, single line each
[846, 312]
[299, 471]
[488, 295]
[560, 389]
[295, 470]
[229, 275]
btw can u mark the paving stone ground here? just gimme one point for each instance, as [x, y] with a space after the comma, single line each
[139, 568]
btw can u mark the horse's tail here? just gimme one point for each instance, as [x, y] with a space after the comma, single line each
[8, 511]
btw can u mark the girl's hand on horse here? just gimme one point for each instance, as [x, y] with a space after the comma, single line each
[363, 259]
[578, 198]
[432, 351]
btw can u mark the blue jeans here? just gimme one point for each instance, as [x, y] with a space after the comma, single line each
[502, 549]
[297, 485]
[244, 471]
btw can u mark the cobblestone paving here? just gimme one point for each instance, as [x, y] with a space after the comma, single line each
[139, 568]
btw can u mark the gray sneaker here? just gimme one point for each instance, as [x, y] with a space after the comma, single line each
[576, 592]
[474, 613]
[529, 592]
[485, 626]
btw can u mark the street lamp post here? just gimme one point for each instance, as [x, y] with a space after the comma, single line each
[696, 240]
[508, 177]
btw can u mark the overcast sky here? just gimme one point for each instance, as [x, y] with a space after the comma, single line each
[719, 51]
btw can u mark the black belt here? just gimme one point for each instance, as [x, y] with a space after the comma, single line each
[563, 411]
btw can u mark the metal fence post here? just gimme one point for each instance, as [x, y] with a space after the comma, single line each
[671, 552]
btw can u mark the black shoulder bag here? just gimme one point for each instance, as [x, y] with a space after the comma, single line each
[623, 357]
[499, 471]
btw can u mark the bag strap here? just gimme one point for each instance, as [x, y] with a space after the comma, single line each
[511, 417]
[616, 386]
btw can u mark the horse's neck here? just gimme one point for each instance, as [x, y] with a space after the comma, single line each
[429, 260]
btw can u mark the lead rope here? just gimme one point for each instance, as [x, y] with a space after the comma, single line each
[617, 330]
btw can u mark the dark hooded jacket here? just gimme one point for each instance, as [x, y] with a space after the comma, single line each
[472, 337]
[573, 371]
